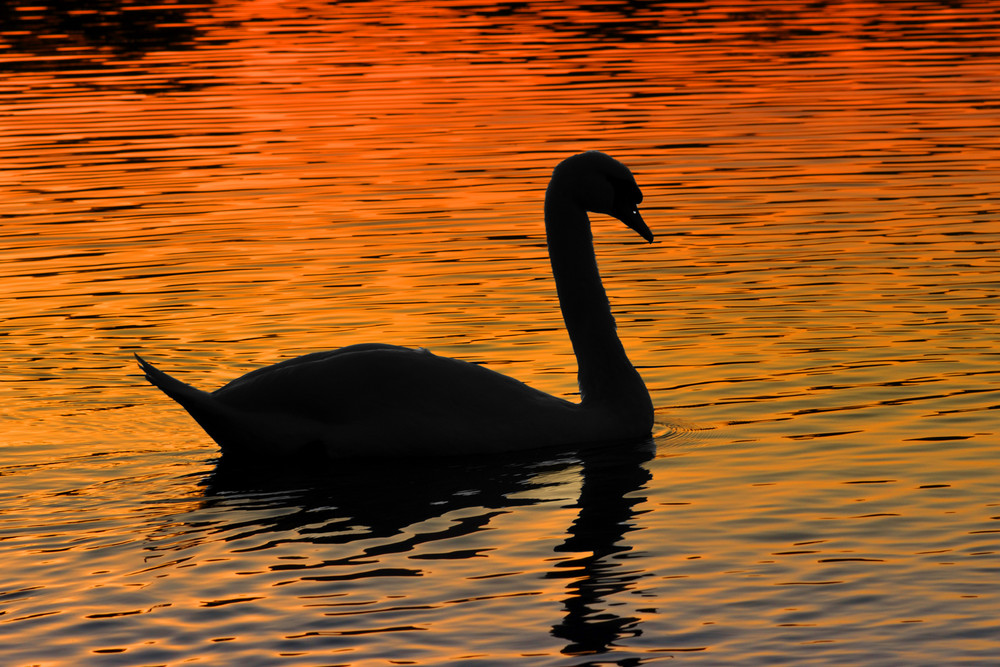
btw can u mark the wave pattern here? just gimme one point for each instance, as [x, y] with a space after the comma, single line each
[223, 185]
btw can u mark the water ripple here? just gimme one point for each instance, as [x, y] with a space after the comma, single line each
[224, 185]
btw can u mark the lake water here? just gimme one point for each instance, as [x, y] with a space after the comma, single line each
[223, 185]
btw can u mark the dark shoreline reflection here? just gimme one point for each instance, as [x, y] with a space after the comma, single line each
[104, 44]
[125, 29]
[347, 502]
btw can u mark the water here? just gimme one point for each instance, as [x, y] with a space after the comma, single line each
[224, 185]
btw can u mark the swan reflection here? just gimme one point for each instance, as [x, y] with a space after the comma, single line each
[423, 511]
[610, 491]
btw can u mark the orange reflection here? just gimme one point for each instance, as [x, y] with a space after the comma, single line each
[278, 179]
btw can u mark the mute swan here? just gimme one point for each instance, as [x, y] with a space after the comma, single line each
[385, 400]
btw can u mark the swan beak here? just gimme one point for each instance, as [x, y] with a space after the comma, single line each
[630, 216]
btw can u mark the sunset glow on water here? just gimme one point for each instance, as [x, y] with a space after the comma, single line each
[222, 186]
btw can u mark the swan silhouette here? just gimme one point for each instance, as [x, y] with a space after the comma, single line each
[385, 400]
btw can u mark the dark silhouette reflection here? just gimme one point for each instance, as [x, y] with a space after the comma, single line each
[381, 499]
[608, 496]
[347, 502]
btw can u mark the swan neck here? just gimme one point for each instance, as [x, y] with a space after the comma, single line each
[605, 373]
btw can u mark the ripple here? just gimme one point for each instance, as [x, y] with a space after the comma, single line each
[225, 185]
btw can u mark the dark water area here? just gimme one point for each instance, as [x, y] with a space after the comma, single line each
[219, 186]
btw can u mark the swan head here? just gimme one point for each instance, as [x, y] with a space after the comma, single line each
[601, 184]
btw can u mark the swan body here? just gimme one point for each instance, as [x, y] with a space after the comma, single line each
[385, 400]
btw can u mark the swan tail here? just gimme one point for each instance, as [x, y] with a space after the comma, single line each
[184, 394]
[201, 405]
[239, 433]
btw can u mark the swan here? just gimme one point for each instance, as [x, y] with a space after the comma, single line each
[377, 400]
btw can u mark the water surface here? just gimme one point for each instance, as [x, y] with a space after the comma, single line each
[223, 185]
